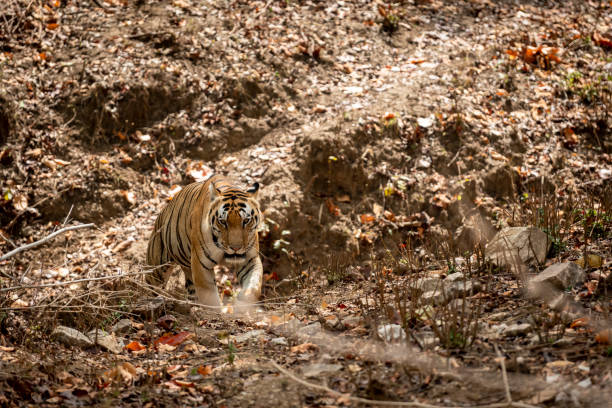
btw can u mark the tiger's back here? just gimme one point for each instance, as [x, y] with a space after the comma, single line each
[205, 224]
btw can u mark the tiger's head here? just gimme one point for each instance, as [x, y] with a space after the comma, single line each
[234, 218]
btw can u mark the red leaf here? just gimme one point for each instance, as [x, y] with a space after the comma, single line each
[135, 346]
[366, 218]
[183, 384]
[174, 340]
[332, 208]
[205, 370]
[580, 322]
[602, 41]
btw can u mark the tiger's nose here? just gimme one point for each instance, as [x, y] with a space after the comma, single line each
[235, 248]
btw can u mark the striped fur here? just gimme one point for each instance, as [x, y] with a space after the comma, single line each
[206, 224]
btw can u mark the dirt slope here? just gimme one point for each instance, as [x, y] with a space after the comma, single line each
[408, 131]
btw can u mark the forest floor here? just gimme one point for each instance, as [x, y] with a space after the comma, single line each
[392, 140]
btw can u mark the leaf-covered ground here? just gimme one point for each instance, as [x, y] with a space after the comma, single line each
[392, 141]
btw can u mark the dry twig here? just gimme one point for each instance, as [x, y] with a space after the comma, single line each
[43, 240]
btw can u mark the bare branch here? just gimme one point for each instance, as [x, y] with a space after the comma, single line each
[56, 284]
[42, 241]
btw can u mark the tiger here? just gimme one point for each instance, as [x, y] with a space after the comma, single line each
[208, 223]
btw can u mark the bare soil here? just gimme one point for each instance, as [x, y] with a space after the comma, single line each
[392, 140]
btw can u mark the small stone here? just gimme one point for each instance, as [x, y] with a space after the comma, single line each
[428, 284]
[562, 275]
[350, 322]
[460, 289]
[516, 247]
[498, 317]
[71, 337]
[106, 341]
[123, 326]
[333, 323]
[391, 333]
[310, 330]
[457, 276]
[586, 383]
[436, 297]
[245, 337]
[279, 341]
[516, 329]
[314, 370]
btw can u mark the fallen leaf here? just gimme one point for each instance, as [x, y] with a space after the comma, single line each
[125, 372]
[303, 348]
[343, 198]
[135, 346]
[580, 322]
[20, 202]
[129, 196]
[52, 26]
[166, 322]
[332, 208]
[174, 340]
[389, 215]
[205, 370]
[592, 261]
[570, 137]
[602, 40]
[367, 218]
[183, 384]
[603, 337]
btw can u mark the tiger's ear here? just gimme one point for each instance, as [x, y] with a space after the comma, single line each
[253, 189]
[214, 192]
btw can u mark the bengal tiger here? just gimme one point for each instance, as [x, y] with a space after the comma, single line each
[206, 224]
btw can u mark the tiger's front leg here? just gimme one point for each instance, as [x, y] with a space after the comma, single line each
[203, 275]
[250, 276]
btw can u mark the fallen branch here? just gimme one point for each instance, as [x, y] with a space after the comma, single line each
[43, 240]
[52, 285]
[389, 403]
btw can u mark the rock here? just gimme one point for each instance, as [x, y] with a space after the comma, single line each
[245, 337]
[350, 322]
[457, 276]
[333, 323]
[123, 326]
[428, 284]
[517, 246]
[314, 370]
[499, 316]
[461, 289]
[391, 333]
[516, 329]
[71, 337]
[562, 275]
[436, 297]
[279, 341]
[310, 330]
[106, 341]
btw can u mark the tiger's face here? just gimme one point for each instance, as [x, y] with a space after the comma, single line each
[234, 220]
